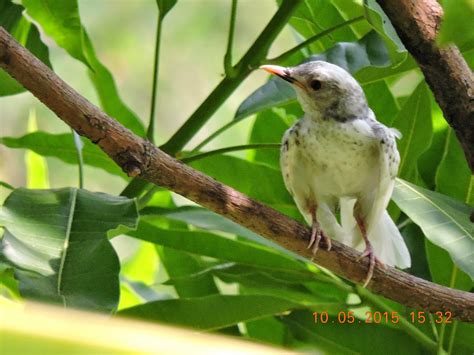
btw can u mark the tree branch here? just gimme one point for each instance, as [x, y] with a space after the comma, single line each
[446, 72]
[138, 157]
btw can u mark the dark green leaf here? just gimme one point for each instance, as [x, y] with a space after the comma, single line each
[210, 312]
[352, 56]
[164, 6]
[360, 337]
[313, 17]
[208, 244]
[56, 240]
[179, 264]
[62, 146]
[256, 180]
[444, 221]
[26, 34]
[414, 123]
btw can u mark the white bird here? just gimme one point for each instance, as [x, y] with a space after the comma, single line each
[338, 156]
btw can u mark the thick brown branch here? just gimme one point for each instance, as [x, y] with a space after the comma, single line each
[447, 73]
[139, 157]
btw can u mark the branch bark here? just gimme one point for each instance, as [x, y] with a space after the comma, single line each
[138, 157]
[445, 70]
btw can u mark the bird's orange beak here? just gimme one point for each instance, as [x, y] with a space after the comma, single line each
[283, 73]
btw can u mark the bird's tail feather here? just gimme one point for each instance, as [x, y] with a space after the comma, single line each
[385, 237]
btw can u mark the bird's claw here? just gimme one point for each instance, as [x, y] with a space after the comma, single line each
[316, 235]
[368, 252]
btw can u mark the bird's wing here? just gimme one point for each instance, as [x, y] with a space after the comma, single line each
[285, 162]
[389, 160]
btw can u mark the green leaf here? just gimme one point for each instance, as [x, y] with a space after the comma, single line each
[444, 221]
[456, 26]
[36, 165]
[454, 163]
[26, 34]
[108, 93]
[381, 101]
[414, 123]
[313, 17]
[179, 264]
[357, 338]
[62, 146]
[164, 6]
[352, 56]
[56, 240]
[219, 247]
[382, 24]
[60, 21]
[277, 119]
[210, 312]
[244, 175]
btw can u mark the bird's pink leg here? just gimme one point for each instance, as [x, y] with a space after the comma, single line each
[317, 233]
[367, 252]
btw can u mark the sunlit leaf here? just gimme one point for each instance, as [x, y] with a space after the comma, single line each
[26, 34]
[60, 20]
[62, 146]
[456, 26]
[36, 165]
[56, 240]
[210, 312]
[444, 221]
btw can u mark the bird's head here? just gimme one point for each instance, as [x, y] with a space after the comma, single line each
[324, 90]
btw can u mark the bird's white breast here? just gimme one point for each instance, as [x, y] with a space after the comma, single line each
[325, 160]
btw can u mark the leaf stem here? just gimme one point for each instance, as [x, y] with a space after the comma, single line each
[151, 125]
[80, 161]
[228, 68]
[230, 149]
[442, 329]
[310, 40]
[226, 87]
[405, 325]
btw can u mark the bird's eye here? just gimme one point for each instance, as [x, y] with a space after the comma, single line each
[315, 84]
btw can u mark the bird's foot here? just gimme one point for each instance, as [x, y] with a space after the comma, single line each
[316, 235]
[368, 252]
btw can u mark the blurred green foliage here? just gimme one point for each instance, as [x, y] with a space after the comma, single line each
[185, 265]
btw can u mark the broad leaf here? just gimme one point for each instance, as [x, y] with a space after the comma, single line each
[62, 146]
[334, 337]
[107, 91]
[209, 244]
[414, 123]
[256, 180]
[352, 56]
[313, 17]
[57, 242]
[210, 312]
[26, 34]
[444, 221]
[179, 264]
[61, 21]
[456, 26]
